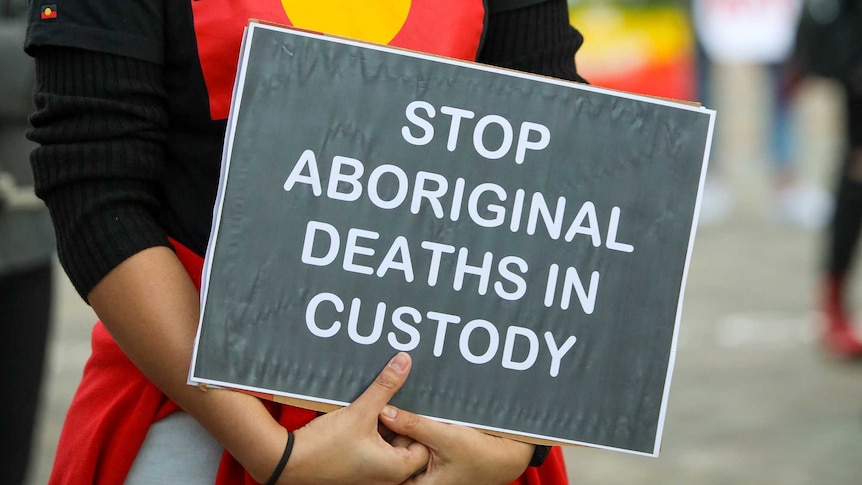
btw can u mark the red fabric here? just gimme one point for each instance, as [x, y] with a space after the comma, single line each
[108, 418]
[115, 405]
[451, 28]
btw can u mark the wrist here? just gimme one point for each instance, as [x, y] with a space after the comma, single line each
[297, 469]
[260, 456]
[282, 462]
[243, 425]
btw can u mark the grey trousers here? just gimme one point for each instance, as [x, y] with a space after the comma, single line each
[176, 450]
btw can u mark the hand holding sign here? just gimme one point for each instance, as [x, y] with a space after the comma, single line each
[344, 446]
[459, 454]
[526, 240]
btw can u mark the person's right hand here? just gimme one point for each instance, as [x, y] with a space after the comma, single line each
[345, 446]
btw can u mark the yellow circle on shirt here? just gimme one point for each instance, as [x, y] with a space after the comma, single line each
[376, 21]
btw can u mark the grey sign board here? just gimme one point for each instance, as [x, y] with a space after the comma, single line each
[525, 239]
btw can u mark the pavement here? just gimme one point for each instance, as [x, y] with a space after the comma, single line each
[753, 399]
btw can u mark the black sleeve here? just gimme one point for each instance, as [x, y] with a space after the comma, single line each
[495, 6]
[537, 38]
[132, 28]
[100, 123]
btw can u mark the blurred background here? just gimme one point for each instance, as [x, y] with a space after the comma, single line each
[756, 398]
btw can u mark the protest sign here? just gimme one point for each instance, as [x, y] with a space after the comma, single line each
[525, 239]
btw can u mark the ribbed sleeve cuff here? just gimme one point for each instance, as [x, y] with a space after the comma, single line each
[537, 39]
[91, 246]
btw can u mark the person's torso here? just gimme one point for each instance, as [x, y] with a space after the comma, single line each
[204, 38]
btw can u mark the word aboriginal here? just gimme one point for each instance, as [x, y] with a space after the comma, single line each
[486, 204]
[520, 345]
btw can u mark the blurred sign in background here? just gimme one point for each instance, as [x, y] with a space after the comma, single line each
[746, 31]
[640, 46]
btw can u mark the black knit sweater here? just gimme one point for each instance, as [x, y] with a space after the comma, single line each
[103, 122]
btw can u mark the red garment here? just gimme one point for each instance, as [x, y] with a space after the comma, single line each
[219, 31]
[115, 405]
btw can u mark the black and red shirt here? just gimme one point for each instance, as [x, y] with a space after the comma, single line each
[132, 100]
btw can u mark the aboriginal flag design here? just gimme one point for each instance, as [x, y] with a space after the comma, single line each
[48, 12]
[451, 28]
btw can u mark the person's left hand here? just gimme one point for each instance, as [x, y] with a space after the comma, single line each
[459, 455]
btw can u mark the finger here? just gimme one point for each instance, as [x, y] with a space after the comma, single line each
[432, 433]
[387, 434]
[420, 476]
[401, 441]
[387, 383]
[414, 457]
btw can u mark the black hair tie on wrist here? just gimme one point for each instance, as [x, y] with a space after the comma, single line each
[539, 455]
[288, 448]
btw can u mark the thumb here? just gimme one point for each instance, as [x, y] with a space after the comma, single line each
[387, 383]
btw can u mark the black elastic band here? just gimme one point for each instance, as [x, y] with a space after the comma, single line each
[288, 448]
[539, 455]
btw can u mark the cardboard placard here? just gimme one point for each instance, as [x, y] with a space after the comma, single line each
[526, 239]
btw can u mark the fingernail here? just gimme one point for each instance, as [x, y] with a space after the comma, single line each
[389, 412]
[399, 362]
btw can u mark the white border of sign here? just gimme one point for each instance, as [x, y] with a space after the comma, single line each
[228, 148]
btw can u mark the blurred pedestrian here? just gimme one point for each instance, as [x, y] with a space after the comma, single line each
[755, 32]
[131, 107]
[26, 253]
[829, 44]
